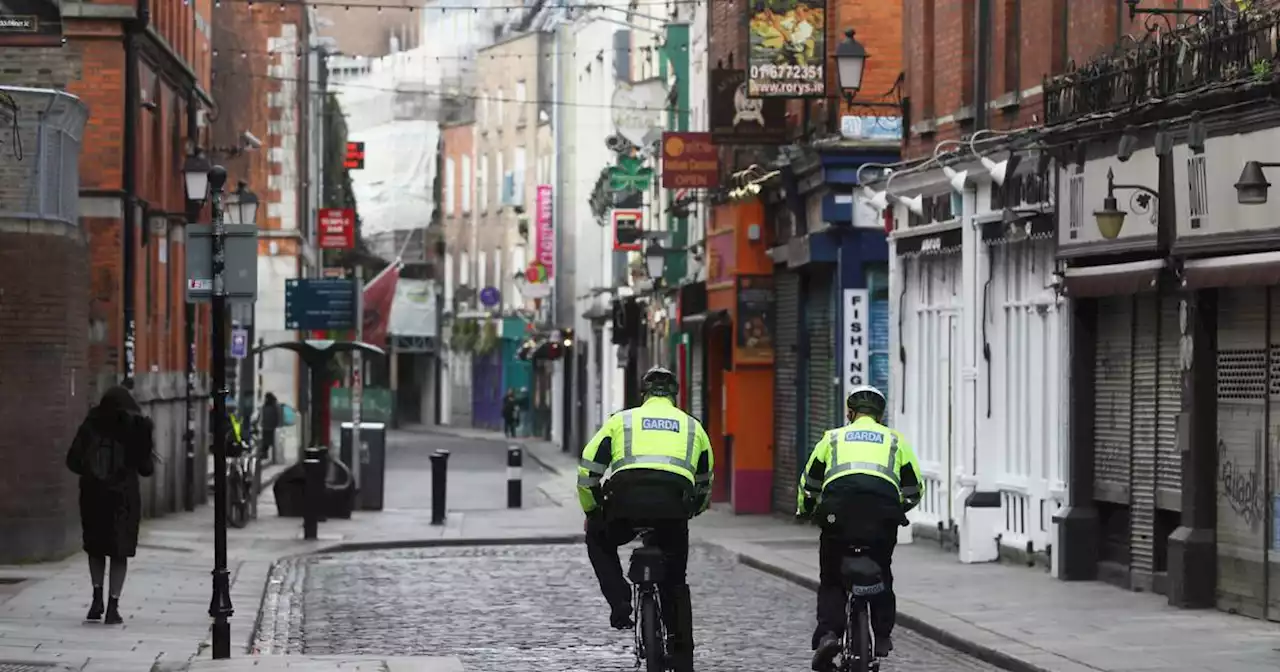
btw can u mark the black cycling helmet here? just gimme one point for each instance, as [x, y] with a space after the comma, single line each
[867, 399]
[659, 382]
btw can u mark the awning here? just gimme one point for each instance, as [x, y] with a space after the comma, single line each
[1259, 269]
[1113, 279]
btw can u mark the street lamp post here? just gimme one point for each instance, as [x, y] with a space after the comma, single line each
[220, 608]
[851, 60]
[195, 184]
[655, 260]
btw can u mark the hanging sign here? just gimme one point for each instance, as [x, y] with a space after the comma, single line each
[689, 160]
[857, 342]
[638, 110]
[336, 228]
[788, 48]
[630, 175]
[628, 225]
[31, 23]
[546, 234]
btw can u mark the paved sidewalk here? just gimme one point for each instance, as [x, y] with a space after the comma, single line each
[166, 599]
[1014, 617]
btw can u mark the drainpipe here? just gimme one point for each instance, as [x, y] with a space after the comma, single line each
[982, 65]
[132, 101]
[189, 336]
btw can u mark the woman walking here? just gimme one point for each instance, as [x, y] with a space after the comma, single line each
[112, 448]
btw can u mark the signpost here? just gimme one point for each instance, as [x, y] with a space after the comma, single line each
[357, 379]
[319, 304]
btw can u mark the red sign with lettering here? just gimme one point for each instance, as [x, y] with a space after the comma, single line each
[689, 161]
[337, 228]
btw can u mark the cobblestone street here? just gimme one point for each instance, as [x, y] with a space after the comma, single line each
[538, 608]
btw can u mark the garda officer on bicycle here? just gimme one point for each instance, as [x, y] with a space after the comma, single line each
[661, 463]
[860, 481]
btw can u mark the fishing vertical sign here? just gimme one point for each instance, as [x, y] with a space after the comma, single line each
[546, 233]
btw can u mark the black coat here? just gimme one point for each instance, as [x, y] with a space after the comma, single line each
[110, 513]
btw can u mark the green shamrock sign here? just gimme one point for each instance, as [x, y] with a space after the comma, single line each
[629, 175]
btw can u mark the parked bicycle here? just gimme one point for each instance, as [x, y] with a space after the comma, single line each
[647, 569]
[244, 480]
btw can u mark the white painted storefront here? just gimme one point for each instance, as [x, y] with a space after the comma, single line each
[978, 352]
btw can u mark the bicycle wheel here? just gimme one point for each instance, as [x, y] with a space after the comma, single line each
[237, 507]
[651, 634]
[857, 652]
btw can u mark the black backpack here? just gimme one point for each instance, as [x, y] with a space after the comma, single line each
[105, 458]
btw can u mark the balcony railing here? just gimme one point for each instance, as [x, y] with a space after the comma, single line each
[1200, 57]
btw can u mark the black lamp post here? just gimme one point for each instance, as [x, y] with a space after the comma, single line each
[195, 172]
[851, 61]
[1111, 218]
[220, 609]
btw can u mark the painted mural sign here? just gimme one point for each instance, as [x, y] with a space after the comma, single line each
[787, 48]
[720, 258]
[755, 319]
[736, 118]
[856, 313]
[546, 235]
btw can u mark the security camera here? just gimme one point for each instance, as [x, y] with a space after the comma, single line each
[250, 141]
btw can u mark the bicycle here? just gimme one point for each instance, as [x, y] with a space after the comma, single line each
[243, 474]
[863, 579]
[647, 569]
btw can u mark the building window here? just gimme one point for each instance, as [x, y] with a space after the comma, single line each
[500, 178]
[517, 180]
[482, 108]
[448, 281]
[466, 183]
[482, 269]
[450, 183]
[482, 179]
[521, 92]
[1012, 45]
[497, 110]
[464, 271]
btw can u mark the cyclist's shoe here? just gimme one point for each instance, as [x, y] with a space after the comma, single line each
[883, 646]
[620, 619]
[825, 655]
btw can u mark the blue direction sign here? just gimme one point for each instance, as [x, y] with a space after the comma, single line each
[315, 304]
[239, 343]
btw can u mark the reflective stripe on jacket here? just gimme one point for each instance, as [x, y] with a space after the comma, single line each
[861, 447]
[655, 435]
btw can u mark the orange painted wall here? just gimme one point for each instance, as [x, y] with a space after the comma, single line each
[747, 389]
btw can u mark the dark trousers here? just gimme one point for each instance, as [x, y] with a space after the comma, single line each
[832, 597]
[671, 536]
[509, 426]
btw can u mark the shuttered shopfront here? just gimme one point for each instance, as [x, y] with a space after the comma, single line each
[786, 396]
[820, 408]
[1136, 459]
[1248, 362]
[698, 375]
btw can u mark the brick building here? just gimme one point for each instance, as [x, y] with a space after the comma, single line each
[142, 70]
[266, 79]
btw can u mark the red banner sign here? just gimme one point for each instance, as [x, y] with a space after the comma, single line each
[337, 228]
[689, 161]
[545, 228]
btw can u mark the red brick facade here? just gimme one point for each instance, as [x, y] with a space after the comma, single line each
[1030, 41]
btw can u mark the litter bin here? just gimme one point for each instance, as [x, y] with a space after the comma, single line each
[373, 462]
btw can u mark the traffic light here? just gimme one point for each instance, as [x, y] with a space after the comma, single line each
[355, 156]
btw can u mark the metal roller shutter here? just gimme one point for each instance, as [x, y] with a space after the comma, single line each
[820, 411]
[1242, 507]
[786, 380]
[878, 282]
[1113, 402]
[1142, 486]
[697, 377]
[1169, 390]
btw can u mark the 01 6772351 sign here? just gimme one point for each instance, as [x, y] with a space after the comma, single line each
[787, 48]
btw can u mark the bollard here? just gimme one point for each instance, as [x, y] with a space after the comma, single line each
[439, 481]
[515, 464]
[313, 469]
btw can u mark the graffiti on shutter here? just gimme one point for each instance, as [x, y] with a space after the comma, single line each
[1142, 474]
[822, 369]
[1169, 391]
[1113, 381]
[1242, 470]
[786, 456]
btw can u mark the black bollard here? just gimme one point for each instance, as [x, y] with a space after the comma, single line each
[313, 469]
[515, 464]
[439, 481]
